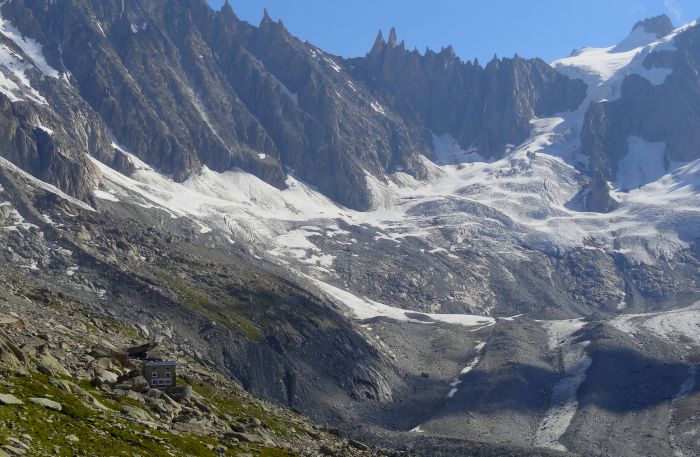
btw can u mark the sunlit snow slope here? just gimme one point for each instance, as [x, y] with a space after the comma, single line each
[527, 202]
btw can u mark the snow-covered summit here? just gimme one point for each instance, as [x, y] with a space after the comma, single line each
[604, 69]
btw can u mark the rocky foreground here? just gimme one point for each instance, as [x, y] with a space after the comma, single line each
[68, 388]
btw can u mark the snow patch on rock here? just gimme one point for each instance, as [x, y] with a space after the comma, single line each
[644, 163]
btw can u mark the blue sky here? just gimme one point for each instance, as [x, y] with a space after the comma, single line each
[476, 28]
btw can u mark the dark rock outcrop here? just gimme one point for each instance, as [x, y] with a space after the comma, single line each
[660, 26]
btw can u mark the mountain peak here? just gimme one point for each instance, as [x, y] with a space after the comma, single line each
[660, 26]
[646, 32]
[227, 10]
[378, 43]
[393, 40]
[266, 16]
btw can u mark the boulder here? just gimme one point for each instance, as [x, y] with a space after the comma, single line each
[142, 349]
[45, 402]
[359, 446]
[17, 443]
[250, 438]
[139, 384]
[9, 399]
[100, 351]
[50, 366]
[180, 393]
[12, 322]
[138, 414]
[105, 350]
[12, 450]
[134, 396]
[102, 376]
[104, 363]
[205, 428]
[11, 355]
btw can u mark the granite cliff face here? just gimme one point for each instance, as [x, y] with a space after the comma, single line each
[181, 86]
[486, 109]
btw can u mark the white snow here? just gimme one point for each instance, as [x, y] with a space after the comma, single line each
[16, 59]
[13, 77]
[99, 27]
[636, 39]
[333, 65]
[17, 222]
[524, 201]
[378, 108]
[603, 69]
[296, 243]
[364, 308]
[681, 327]
[107, 196]
[644, 163]
[45, 129]
[560, 331]
[134, 28]
[477, 350]
[29, 47]
[448, 151]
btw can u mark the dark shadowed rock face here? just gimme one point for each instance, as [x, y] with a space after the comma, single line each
[660, 26]
[486, 108]
[182, 86]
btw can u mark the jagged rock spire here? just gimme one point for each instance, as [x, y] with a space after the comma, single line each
[449, 52]
[378, 43]
[392, 38]
[227, 10]
[266, 17]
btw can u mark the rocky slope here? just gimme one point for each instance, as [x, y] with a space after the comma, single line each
[65, 364]
[80, 287]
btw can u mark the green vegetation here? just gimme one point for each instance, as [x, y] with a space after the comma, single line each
[101, 433]
[228, 314]
[234, 406]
